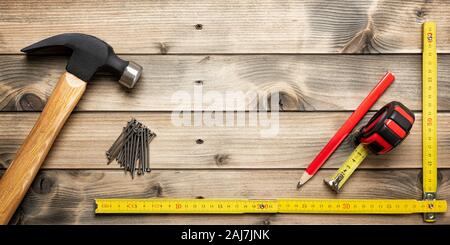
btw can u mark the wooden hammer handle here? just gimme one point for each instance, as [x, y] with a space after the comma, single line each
[20, 174]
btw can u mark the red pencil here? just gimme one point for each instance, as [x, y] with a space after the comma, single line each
[347, 127]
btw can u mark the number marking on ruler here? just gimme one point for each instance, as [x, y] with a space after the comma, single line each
[240, 206]
[429, 107]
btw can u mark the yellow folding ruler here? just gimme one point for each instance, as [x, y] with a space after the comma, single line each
[240, 206]
[429, 206]
[429, 121]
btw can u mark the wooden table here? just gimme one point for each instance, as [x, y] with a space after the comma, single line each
[309, 50]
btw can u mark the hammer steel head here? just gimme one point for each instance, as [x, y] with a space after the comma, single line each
[90, 54]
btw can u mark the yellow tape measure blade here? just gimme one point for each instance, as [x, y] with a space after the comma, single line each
[338, 179]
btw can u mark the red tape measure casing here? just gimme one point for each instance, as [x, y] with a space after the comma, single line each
[387, 128]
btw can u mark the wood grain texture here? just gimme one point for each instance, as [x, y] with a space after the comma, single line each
[305, 82]
[268, 26]
[280, 44]
[86, 137]
[67, 197]
[20, 174]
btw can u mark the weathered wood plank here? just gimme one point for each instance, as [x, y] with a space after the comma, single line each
[86, 136]
[305, 82]
[66, 197]
[268, 26]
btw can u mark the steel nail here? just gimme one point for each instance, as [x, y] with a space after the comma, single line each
[128, 160]
[118, 141]
[141, 155]
[144, 148]
[138, 152]
[116, 151]
[135, 149]
[147, 150]
[132, 154]
[127, 154]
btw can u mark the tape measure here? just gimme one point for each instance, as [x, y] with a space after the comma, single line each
[241, 206]
[338, 179]
[384, 131]
[429, 108]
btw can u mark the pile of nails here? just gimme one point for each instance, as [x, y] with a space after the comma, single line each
[131, 148]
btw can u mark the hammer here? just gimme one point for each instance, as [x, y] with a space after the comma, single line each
[89, 54]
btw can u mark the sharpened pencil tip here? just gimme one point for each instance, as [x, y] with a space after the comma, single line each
[305, 177]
